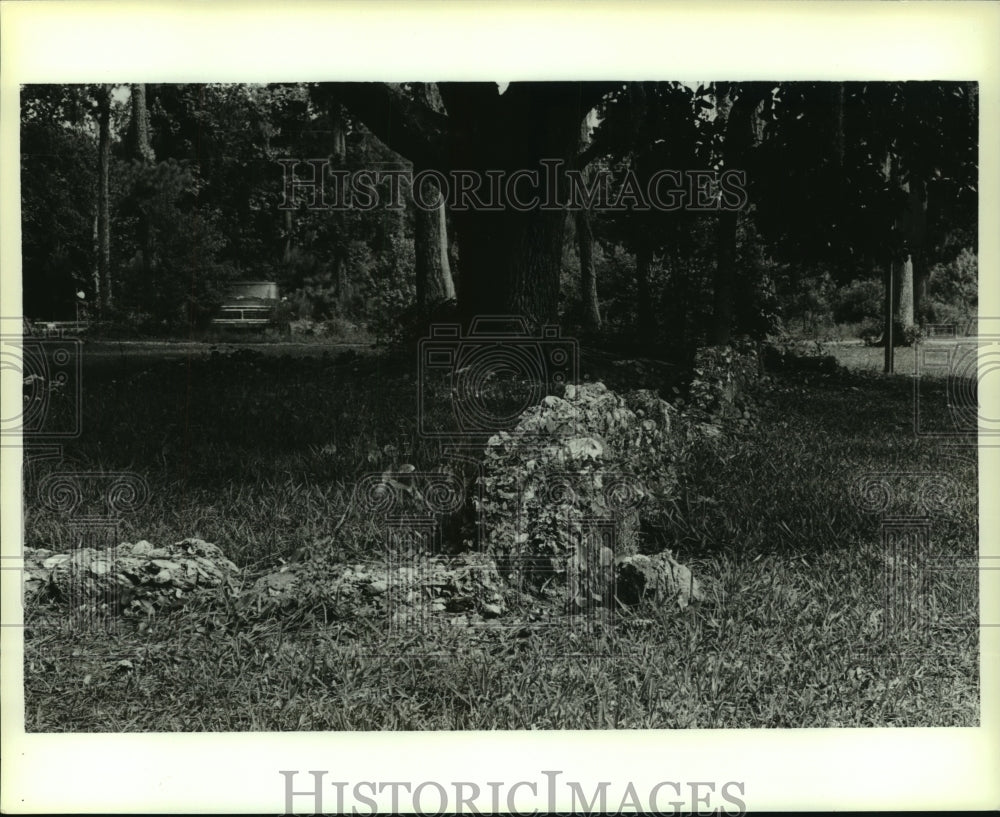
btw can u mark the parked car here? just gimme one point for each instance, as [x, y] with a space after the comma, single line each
[249, 304]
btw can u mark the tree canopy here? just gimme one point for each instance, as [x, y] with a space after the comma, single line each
[673, 213]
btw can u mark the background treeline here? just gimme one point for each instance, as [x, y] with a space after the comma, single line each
[148, 199]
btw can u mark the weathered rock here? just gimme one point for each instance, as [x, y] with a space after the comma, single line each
[377, 587]
[491, 610]
[657, 578]
[576, 475]
[127, 574]
[438, 583]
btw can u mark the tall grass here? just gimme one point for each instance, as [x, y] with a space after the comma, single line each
[260, 454]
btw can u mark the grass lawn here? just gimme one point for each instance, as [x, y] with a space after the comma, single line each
[259, 454]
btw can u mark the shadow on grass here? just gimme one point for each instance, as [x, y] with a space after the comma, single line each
[259, 454]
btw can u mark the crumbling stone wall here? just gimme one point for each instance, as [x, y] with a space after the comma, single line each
[564, 492]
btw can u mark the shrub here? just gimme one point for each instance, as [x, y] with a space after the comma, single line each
[805, 298]
[956, 282]
[871, 333]
[859, 301]
[391, 289]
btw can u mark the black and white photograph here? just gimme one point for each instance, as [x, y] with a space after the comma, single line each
[413, 405]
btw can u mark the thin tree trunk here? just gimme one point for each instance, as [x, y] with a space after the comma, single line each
[903, 268]
[96, 244]
[286, 254]
[103, 200]
[338, 132]
[141, 147]
[918, 232]
[839, 95]
[444, 271]
[338, 149]
[647, 317]
[433, 266]
[906, 292]
[738, 119]
[426, 254]
[588, 275]
[725, 274]
[888, 329]
[890, 278]
[912, 274]
[585, 248]
[434, 282]
[143, 151]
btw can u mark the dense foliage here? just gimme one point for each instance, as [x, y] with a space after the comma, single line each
[837, 177]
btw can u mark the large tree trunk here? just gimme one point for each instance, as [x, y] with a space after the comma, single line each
[103, 199]
[510, 264]
[509, 260]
